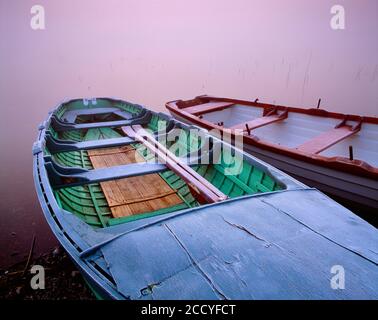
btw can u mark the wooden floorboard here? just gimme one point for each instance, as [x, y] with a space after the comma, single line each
[134, 195]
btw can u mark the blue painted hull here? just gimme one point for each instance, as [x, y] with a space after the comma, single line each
[276, 245]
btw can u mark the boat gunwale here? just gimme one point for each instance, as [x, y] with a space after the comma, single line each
[55, 221]
[356, 167]
[278, 176]
[54, 215]
[69, 240]
[309, 111]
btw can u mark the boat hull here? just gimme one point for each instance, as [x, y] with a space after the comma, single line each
[99, 287]
[358, 189]
[350, 188]
[269, 244]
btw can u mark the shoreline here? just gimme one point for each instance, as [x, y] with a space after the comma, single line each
[62, 279]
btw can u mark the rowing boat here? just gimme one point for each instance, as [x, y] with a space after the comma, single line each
[336, 153]
[151, 208]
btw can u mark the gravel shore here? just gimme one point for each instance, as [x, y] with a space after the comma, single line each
[62, 279]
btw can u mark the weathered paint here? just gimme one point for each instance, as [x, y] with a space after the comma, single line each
[273, 245]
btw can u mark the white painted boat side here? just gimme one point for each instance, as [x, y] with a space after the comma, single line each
[299, 128]
[355, 188]
[342, 184]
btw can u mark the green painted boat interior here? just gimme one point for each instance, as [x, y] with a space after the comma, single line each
[89, 203]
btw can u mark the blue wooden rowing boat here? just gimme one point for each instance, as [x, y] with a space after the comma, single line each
[144, 216]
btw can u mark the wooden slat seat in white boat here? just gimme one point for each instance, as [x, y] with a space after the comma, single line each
[207, 107]
[269, 118]
[328, 139]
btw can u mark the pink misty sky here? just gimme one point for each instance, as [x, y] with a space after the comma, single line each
[154, 51]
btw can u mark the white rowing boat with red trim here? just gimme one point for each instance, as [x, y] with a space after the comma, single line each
[337, 153]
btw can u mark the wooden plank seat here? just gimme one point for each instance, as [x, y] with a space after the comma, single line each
[60, 126]
[132, 195]
[198, 184]
[65, 177]
[56, 146]
[207, 107]
[262, 121]
[71, 115]
[327, 139]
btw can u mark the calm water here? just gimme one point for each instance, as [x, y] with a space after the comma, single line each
[154, 51]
